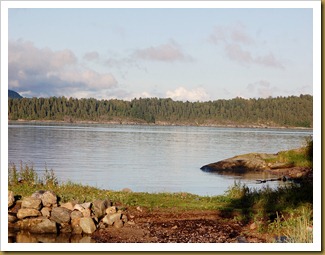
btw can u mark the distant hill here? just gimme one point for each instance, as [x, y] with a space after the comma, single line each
[13, 94]
[292, 111]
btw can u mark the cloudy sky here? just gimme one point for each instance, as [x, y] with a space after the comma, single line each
[182, 53]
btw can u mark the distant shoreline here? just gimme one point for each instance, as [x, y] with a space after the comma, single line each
[159, 123]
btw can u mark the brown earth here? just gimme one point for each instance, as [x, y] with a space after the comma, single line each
[171, 226]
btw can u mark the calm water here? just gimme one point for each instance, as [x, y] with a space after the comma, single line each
[143, 158]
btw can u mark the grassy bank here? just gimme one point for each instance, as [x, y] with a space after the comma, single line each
[302, 157]
[286, 211]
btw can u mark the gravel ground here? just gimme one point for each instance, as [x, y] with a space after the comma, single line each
[178, 227]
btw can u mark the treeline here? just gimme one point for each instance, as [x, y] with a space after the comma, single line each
[292, 111]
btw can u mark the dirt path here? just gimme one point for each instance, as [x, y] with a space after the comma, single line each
[178, 227]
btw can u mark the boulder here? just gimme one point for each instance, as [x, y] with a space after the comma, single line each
[68, 205]
[75, 225]
[27, 212]
[38, 194]
[111, 218]
[76, 215]
[60, 215]
[32, 203]
[85, 211]
[111, 210]
[49, 198]
[11, 198]
[99, 207]
[240, 164]
[86, 205]
[28, 223]
[87, 225]
[46, 212]
[44, 227]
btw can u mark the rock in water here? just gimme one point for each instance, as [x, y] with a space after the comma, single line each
[27, 212]
[87, 224]
[60, 215]
[46, 226]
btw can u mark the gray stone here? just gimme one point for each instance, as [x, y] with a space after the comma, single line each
[11, 198]
[60, 215]
[68, 205]
[86, 205]
[38, 194]
[111, 218]
[32, 203]
[46, 212]
[99, 207]
[28, 223]
[85, 211]
[45, 226]
[75, 225]
[27, 212]
[87, 224]
[49, 198]
[76, 215]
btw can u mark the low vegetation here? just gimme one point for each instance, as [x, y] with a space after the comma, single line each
[302, 157]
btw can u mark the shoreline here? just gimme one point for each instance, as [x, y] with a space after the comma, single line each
[158, 123]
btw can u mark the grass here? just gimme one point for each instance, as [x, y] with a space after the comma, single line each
[302, 157]
[25, 181]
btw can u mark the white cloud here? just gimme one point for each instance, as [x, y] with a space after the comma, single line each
[183, 94]
[168, 52]
[44, 72]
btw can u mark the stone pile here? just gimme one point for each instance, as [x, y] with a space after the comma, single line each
[42, 214]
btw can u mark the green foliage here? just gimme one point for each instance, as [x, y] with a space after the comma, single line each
[25, 173]
[302, 157]
[296, 227]
[281, 111]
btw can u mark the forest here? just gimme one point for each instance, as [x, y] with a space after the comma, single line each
[291, 111]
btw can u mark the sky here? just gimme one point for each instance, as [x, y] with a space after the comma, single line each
[188, 54]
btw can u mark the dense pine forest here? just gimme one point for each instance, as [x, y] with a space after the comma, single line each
[292, 111]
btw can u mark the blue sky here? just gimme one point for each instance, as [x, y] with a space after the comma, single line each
[185, 54]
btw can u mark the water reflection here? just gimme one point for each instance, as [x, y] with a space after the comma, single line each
[26, 237]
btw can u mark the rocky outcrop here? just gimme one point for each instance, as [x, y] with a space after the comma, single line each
[41, 214]
[258, 162]
[241, 164]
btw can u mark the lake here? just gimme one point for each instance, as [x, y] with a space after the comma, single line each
[143, 158]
